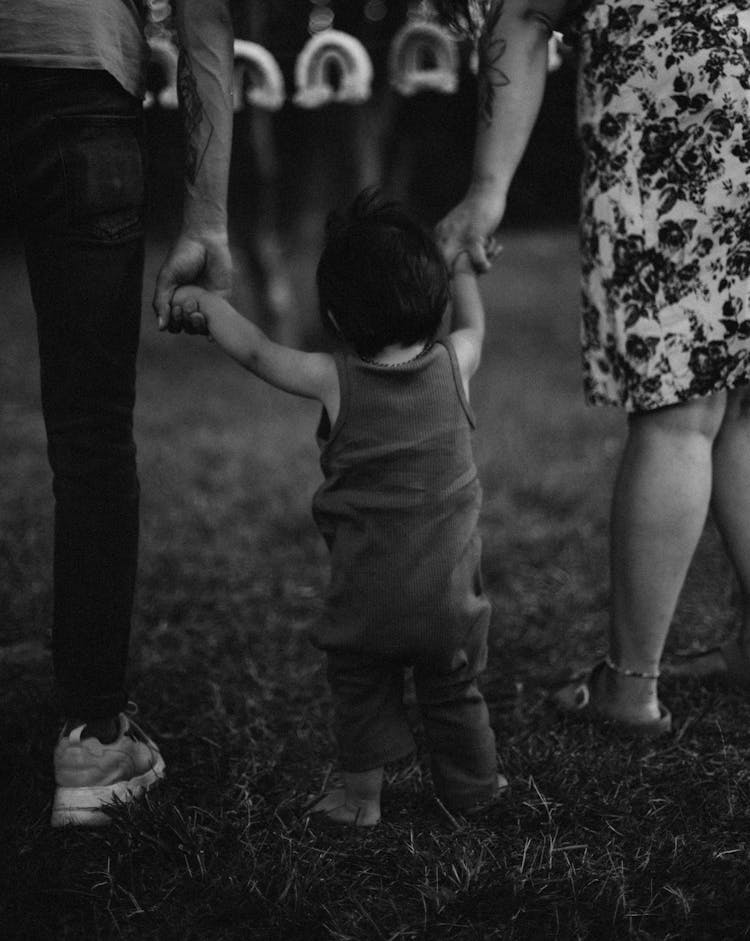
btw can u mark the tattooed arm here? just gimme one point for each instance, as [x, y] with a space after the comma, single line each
[512, 76]
[204, 84]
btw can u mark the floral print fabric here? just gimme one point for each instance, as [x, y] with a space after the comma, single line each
[664, 120]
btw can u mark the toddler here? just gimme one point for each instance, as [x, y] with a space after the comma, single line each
[399, 503]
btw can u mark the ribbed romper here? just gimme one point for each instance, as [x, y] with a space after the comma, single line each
[399, 508]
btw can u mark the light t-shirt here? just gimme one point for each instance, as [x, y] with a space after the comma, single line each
[77, 34]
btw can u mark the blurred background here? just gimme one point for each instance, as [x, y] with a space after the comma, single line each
[195, 410]
[291, 166]
[207, 434]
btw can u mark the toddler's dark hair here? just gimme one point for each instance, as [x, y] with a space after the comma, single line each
[381, 276]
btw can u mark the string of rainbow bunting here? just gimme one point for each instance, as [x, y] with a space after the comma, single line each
[332, 67]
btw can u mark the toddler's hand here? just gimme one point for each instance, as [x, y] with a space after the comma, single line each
[185, 309]
[463, 263]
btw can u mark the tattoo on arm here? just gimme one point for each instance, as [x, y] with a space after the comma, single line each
[491, 49]
[193, 116]
[478, 20]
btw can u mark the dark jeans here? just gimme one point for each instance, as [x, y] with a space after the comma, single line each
[71, 159]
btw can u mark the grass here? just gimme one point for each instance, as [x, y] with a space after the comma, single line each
[599, 838]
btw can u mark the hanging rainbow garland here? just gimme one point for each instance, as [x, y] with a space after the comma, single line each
[164, 57]
[258, 79]
[423, 57]
[333, 66]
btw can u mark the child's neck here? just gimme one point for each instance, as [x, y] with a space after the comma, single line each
[396, 353]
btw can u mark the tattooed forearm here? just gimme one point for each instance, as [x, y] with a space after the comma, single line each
[490, 49]
[478, 19]
[193, 116]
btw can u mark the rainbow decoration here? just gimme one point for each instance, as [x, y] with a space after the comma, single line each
[164, 55]
[423, 57]
[332, 67]
[257, 77]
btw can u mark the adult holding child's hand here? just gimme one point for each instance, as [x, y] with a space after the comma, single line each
[469, 228]
[664, 122]
[512, 44]
[202, 258]
[201, 252]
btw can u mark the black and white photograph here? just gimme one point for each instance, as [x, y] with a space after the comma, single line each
[374, 470]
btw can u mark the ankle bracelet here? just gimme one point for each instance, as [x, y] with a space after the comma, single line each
[623, 672]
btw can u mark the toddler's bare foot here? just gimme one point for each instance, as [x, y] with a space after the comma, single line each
[357, 803]
[349, 811]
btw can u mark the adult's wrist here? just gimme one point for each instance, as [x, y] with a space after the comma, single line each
[203, 212]
[202, 229]
[489, 193]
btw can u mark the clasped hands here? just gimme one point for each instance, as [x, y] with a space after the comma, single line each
[203, 260]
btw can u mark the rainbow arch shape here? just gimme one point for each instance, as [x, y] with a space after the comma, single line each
[324, 52]
[423, 57]
[257, 77]
[164, 55]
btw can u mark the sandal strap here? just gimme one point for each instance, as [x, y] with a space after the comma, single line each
[625, 672]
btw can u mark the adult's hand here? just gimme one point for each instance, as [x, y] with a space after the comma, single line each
[193, 259]
[204, 86]
[469, 227]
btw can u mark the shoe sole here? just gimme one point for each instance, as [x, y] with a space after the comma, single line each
[82, 806]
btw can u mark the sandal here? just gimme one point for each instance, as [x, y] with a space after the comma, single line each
[575, 699]
[736, 662]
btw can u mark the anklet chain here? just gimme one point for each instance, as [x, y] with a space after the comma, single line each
[623, 672]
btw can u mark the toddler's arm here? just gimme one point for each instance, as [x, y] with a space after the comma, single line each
[312, 375]
[467, 320]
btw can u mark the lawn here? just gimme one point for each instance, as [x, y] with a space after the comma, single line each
[599, 837]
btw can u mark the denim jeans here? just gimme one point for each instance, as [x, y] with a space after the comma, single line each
[71, 160]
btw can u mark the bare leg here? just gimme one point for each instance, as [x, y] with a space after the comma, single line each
[659, 508]
[357, 803]
[731, 506]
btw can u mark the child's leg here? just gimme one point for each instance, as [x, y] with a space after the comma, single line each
[457, 726]
[371, 729]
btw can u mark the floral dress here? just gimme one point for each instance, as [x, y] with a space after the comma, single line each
[664, 120]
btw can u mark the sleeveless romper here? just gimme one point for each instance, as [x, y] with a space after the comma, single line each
[398, 509]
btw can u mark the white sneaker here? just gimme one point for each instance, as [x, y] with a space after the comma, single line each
[90, 775]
